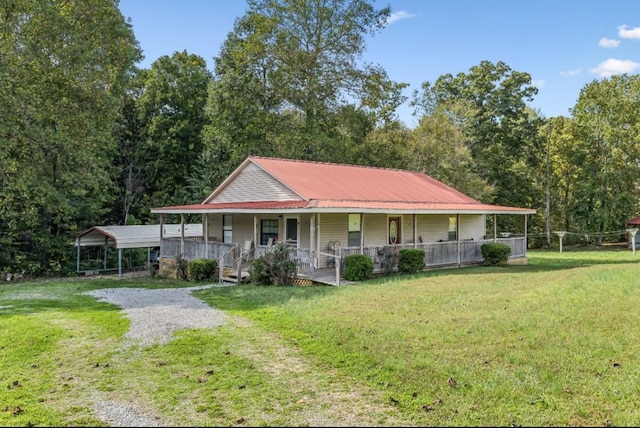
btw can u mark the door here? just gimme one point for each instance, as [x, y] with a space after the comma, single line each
[291, 231]
[395, 234]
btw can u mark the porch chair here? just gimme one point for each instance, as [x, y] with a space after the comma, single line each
[246, 250]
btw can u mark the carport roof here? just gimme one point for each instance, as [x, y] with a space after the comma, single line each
[134, 236]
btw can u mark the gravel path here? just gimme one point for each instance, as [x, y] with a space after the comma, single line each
[155, 315]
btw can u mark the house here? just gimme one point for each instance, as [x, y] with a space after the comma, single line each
[326, 211]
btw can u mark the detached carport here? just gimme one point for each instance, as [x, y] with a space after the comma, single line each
[135, 236]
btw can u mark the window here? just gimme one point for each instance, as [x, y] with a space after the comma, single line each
[354, 230]
[268, 229]
[227, 229]
[453, 228]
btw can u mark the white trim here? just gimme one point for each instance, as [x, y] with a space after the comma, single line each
[523, 211]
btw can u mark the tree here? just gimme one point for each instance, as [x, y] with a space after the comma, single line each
[287, 72]
[63, 66]
[438, 148]
[607, 119]
[172, 114]
[502, 132]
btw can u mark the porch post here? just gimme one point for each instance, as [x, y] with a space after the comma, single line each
[495, 232]
[106, 247]
[161, 235]
[318, 243]
[525, 235]
[312, 239]
[415, 231]
[78, 256]
[255, 233]
[337, 264]
[182, 234]
[361, 233]
[119, 262]
[205, 231]
[458, 236]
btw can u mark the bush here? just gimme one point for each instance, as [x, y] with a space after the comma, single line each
[357, 267]
[182, 268]
[411, 260]
[388, 259]
[495, 253]
[203, 269]
[273, 267]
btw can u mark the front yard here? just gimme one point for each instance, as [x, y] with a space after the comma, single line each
[554, 342]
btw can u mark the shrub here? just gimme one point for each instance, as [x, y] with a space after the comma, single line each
[495, 253]
[203, 269]
[182, 268]
[357, 267]
[388, 259]
[411, 260]
[274, 267]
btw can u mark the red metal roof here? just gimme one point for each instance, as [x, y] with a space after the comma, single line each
[634, 221]
[322, 181]
[325, 186]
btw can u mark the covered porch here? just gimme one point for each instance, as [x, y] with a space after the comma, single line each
[326, 266]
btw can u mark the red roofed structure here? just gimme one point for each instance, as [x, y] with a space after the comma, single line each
[326, 211]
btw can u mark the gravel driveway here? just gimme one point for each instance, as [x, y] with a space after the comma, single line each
[155, 315]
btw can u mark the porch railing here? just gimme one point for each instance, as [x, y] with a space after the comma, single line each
[436, 253]
[196, 249]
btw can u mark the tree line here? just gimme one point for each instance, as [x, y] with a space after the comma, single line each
[87, 138]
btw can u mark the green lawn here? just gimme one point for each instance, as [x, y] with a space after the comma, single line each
[554, 342]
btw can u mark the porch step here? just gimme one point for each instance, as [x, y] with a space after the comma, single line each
[244, 276]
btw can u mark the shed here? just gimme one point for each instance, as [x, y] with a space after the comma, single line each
[134, 236]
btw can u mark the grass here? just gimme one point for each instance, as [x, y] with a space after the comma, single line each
[553, 342]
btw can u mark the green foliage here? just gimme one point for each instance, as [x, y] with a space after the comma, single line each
[282, 80]
[388, 259]
[495, 253]
[274, 267]
[171, 112]
[411, 260]
[357, 267]
[182, 268]
[64, 68]
[203, 269]
[500, 131]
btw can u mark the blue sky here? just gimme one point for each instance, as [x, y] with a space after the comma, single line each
[562, 44]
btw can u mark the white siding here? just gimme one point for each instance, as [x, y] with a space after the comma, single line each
[253, 184]
[215, 227]
[375, 229]
[433, 228]
[472, 227]
[241, 227]
[407, 229]
[333, 227]
[304, 237]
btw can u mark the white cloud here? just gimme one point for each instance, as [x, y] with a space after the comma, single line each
[609, 43]
[633, 33]
[574, 72]
[397, 16]
[614, 66]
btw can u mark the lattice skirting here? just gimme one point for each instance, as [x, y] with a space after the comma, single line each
[304, 282]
